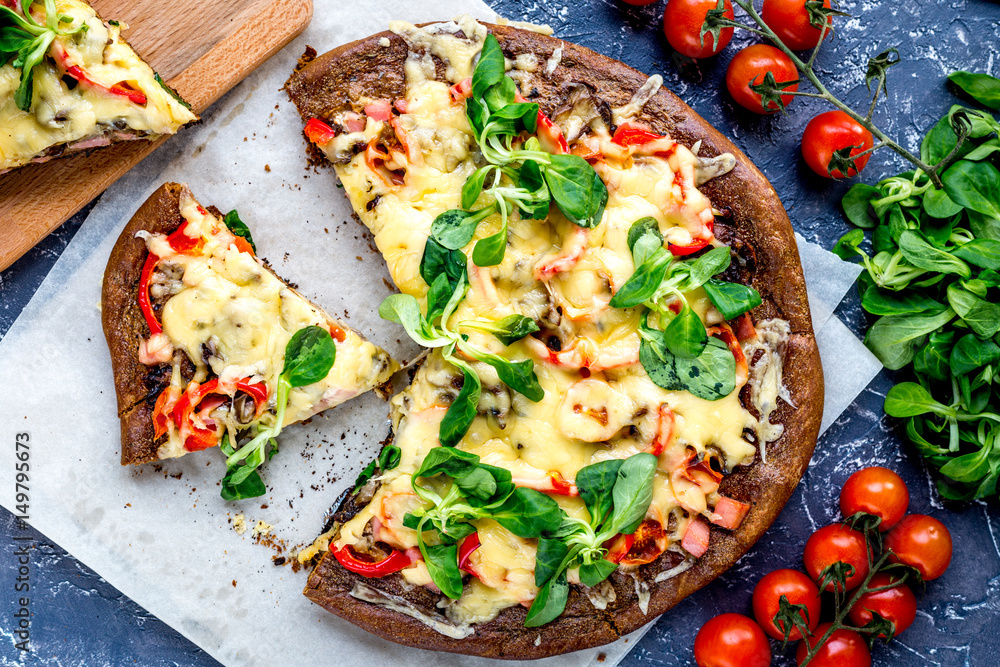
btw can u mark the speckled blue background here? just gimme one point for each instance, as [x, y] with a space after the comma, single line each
[79, 619]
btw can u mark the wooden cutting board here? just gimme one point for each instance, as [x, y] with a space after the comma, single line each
[201, 49]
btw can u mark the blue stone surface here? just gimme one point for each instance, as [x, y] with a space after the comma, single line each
[79, 619]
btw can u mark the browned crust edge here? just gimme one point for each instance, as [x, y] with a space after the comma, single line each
[339, 80]
[125, 327]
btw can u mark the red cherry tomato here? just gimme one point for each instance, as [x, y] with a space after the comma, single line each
[897, 605]
[797, 589]
[832, 131]
[844, 648]
[790, 22]
[751, 65]
[877, 491]
[682, 21]
[835, 543]
[922, 542]
[731, 640]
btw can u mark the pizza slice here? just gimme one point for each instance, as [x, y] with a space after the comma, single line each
[210, 348]
[69, 82]
[623, 386]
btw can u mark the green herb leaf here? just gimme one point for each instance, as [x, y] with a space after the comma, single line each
[309, 356]
[548, 559]
[642, 285]
[173, 93]
[933, 358]
[442, 565]
[549, 603]
[982, 316]
[633, 492]
[403, 309]
[970, 353]
[595, 483]
[731, 299]
[984, 150]
[685, 334]
[983, 88]
[446, 461]
[462, 410]
[878, 301]
[909, 399]
[528, 513]
[894, 339]
[490, 68]
[847, 246]
[974, 185]
[455, 228]
[518, 375]
[711, 375]
[938, 204]
[984, 253]
[508, 330]
[644, 240]
[969, 468]
[490, 250]
[438, 259]
[857, 205]
[250, 486]
[597, 571]
[473, 186]
[703, 267]
[922, 254]
[238, 227]
[576, 189]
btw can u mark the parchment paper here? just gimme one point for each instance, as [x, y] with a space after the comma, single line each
[161, 534]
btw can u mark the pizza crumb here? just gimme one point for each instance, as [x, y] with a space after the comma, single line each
[234, 583]
[267, 168]
[601, 657]
[239, 524]
[261, 528]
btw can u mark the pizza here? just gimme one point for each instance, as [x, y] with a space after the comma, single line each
[210, 348]
[623, 386]
[69, 82]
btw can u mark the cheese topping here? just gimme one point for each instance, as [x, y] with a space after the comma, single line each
[84, 114]
[231, 318]
[599, 403]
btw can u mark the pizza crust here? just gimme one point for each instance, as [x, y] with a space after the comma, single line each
[752, 216]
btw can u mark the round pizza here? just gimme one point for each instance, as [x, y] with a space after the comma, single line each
[622, 387]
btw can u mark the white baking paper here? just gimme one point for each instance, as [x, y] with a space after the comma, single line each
[162, 535]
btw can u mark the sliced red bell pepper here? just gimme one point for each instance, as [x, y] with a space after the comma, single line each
[550, 136]
[197, 438]
[319, 132]
[243, 245]
[465, 549]
[184, 244]
[694, 246]
[144, 303]
[631, 135]
[618, 547]
[120, 89]
[394, 562]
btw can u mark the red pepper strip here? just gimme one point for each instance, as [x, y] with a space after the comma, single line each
[161, 419]
[144, 304]
[120, 89]
[630, 135]
[243, 245]
[184, 244]
[319, 132]
[550, 136]
[618, 547]
[696, 245]
[394, 562]
[465, 549]
[198, 438]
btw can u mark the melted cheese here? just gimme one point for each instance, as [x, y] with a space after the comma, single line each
[559, 433]
[232, 318]
[63, 115]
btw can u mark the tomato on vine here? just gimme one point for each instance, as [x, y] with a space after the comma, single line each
[921, 542]
[896, 605]
[731, 640]
[878, 491]
[844, 648]
[830, 132]
[790, 21]
[797, 589]
[682, 21]
[759, 64]
[833, 544]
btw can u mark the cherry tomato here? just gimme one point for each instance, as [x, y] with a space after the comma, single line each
[877, 491]
[790, 22]
[751, 65]
[835, 543]
[832, 131]
[797, 589]
[897, 605]
[731, 640]
[922, 542]
[682, 21]
[844, 648]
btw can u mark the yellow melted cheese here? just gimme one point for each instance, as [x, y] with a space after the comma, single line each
[555, 434]
[60, 114]
[241, 316]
